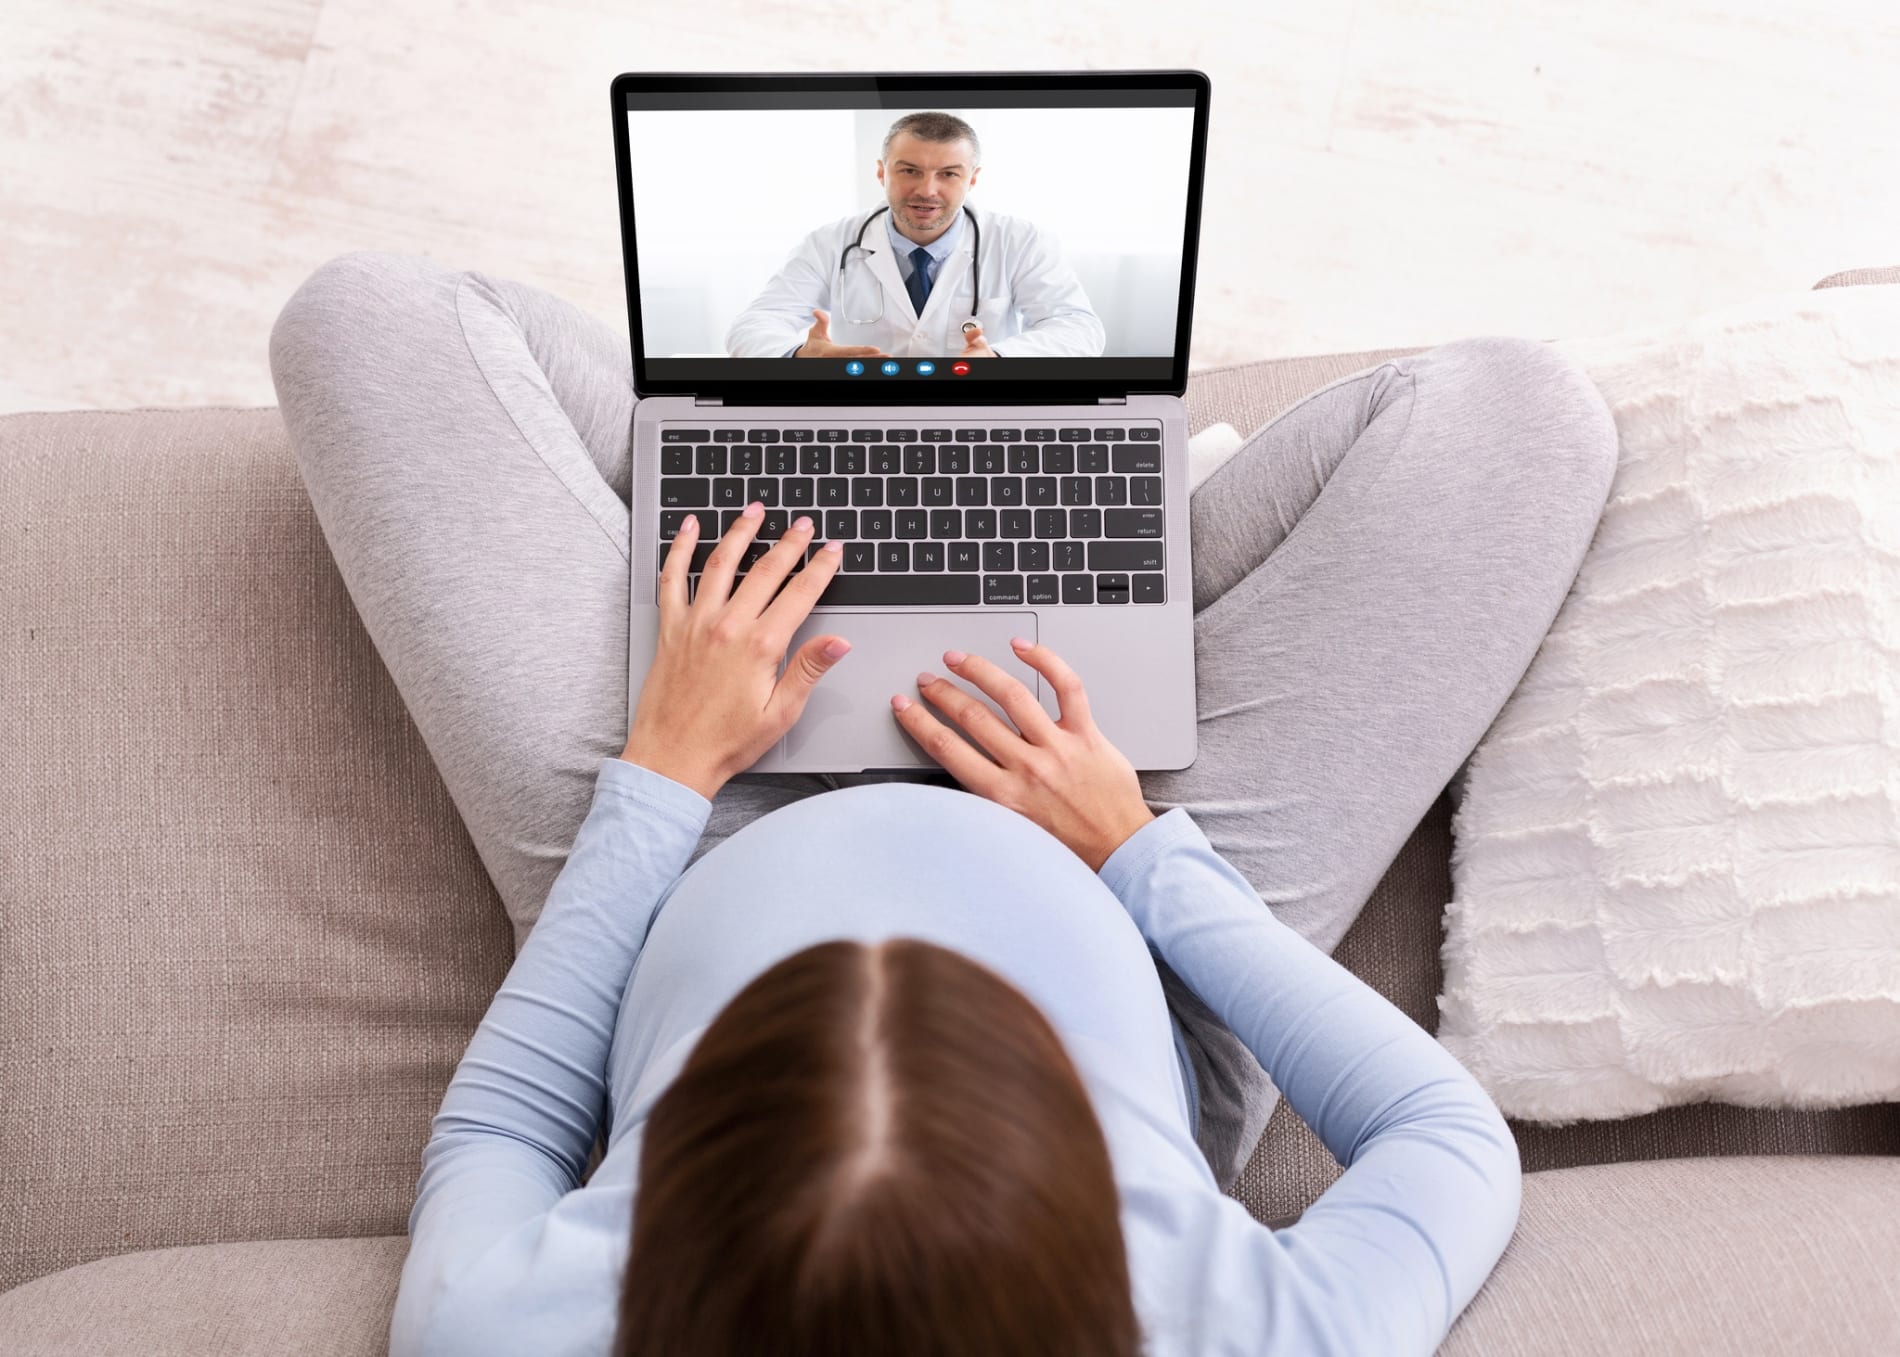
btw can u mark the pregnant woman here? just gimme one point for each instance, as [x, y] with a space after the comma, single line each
[955, 1062]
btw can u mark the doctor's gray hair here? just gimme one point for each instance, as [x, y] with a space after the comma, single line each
[936, 127]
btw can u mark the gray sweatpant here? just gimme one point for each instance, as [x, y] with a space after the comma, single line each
[1373, 571]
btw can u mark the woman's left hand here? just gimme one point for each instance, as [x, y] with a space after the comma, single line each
[713, 703]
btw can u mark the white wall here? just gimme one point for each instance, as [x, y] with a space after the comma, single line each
[1382, 173]
[721, 197]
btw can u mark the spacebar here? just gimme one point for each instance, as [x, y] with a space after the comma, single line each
[868, 590]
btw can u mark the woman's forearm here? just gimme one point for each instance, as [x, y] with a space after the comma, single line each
[549, 1026]
[521, 1112]
[1375, 1087]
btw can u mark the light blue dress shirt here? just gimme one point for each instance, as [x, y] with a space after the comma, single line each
[939, 249]
[631, 960]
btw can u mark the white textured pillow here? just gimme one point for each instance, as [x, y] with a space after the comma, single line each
[1676, 871]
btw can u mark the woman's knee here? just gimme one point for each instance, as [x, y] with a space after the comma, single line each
[347, 306]
[1542, 405]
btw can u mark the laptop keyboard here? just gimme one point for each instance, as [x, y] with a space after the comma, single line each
[997, 514]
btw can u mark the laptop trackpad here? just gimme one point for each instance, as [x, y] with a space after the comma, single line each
[848, 723]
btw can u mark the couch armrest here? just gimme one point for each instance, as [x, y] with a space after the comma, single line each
[1857, 277]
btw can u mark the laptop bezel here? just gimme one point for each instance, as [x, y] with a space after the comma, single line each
[844, 391]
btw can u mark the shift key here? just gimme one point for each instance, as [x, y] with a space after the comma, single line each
[1125, 556]
[1132, 522]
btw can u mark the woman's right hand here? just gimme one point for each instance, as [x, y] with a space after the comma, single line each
[1064, 775]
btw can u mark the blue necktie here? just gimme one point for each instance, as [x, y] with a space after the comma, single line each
[919, 280]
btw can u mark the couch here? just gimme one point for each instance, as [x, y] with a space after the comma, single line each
[244, 940]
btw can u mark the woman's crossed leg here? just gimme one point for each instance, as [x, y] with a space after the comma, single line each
[1373, 572]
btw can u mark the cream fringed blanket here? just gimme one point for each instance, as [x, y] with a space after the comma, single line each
[1676, 873]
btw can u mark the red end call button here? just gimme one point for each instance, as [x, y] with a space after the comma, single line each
[960, 369]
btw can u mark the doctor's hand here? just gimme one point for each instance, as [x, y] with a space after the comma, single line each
[818, 343]
[974, 345]
[1064, 775]
[714, 702]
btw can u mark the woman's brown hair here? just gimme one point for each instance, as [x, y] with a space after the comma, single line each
[876, 1150]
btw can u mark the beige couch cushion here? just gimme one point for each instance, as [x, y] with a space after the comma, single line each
[308, 1297]
[246, 937]
[1755, 1255]
[1707, 1255]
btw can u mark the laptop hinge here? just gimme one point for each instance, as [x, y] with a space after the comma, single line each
[709, 400]
[1112, 400]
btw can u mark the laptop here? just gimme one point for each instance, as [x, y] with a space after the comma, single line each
[946, 315]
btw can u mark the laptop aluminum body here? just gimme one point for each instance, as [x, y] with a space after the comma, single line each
[1135, 660]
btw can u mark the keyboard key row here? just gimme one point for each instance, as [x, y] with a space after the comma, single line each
[860, 588]
[994, 554]
[891, 459]
[930, 492]
[1039, 434]
[942, 524]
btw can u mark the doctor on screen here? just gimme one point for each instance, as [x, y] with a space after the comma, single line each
[924, 274]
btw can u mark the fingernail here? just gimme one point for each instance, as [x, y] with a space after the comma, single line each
[1021, 644]
[690, 525]
[756, 509]
[834, 546]
[802, 521]
[925, 678]
[953, 658]
[899, 702]
[835, 650]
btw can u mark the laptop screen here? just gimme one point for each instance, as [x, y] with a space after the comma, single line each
[923, 237]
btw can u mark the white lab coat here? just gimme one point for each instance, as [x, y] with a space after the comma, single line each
[1033, 304]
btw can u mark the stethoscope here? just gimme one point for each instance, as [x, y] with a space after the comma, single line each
[976, 278]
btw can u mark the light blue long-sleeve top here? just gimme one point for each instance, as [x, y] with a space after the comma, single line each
[630, 961]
